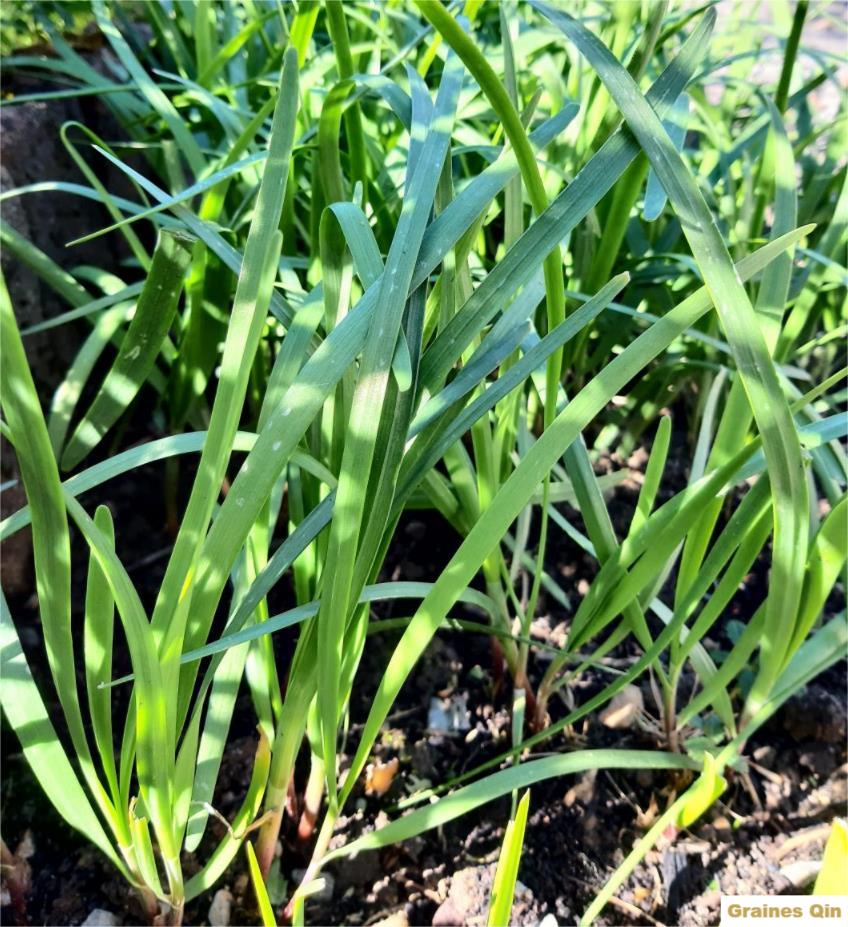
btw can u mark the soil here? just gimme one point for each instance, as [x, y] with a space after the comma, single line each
[760, 838]
[49, 219]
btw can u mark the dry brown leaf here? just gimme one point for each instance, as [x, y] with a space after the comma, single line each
[645, 819]
[379, 777]
[583, 791]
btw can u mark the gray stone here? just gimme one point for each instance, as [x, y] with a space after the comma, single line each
[99, 917]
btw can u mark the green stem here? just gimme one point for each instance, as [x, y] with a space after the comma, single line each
[337, 28]
[765, 173]
[497, 95]
[499, 98]
[781, 97]
[624, 196]
[312, 798]
[318, 854]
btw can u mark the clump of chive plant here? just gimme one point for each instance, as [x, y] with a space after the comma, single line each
[441, 258]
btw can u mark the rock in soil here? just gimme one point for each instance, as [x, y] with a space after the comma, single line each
[624, 709]
[469, 896]
[221, 908]
[101, 918]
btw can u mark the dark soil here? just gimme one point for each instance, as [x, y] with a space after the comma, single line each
[580, 828]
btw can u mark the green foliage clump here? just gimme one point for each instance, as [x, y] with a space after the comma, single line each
[390, 258]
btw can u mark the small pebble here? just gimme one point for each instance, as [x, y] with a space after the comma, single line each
[624, 709]
[99, 917]
[801, 874]
[221, 908]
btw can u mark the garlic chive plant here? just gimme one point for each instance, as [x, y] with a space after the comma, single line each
[394, 257]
